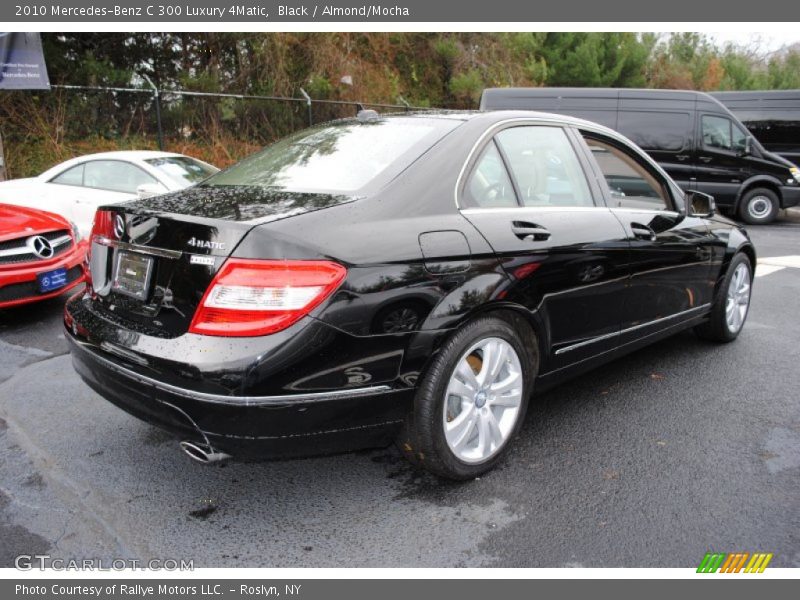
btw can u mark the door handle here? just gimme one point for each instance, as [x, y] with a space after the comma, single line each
[643, 232]
[682, 156]
[529, 231]
[705, 159]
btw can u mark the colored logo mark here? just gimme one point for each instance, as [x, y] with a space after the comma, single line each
[734, 562]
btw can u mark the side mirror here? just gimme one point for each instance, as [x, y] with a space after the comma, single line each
[700, 204]
[146, 190]
[748, 146]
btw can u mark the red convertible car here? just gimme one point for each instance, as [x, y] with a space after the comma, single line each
[41, 255]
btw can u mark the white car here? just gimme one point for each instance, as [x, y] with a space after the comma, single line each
[75, 188]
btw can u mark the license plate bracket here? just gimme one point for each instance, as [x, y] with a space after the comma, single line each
[132, 273]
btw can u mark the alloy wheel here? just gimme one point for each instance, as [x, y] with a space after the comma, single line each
[483, 400]
[738, 299]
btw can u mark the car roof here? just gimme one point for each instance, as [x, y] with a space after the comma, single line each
[127, 155]
[491, 117]
[610, 99]
[759, 95]
[591, 92]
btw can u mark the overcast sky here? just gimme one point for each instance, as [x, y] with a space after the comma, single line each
[764, 40]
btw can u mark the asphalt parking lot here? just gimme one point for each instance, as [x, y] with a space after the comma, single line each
[680, 449]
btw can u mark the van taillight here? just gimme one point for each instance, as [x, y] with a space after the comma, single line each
[260, 297]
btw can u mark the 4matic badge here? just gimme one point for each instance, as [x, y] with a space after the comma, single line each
[195, 243]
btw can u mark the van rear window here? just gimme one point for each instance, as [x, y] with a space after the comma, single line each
[666, 131]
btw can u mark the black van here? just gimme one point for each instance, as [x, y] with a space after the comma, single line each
[772, 116]
[690, 134]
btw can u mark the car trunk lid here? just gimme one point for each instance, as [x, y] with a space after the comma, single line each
[153, 260]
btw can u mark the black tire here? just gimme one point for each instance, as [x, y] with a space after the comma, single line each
[423, 438]
[759, 206]
[716, 328]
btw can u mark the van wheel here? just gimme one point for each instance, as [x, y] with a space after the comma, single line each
[472, 400]
[759, 206]
[732, 304]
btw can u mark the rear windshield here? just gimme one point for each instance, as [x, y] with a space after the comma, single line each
[182, 170]
[341, 158]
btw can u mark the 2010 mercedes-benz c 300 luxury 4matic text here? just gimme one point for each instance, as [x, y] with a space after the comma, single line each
[416, 278]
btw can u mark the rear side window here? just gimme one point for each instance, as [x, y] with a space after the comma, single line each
[630, 183]
[666, 131]
[115, 175]
[73, 176]
[338, 158]
[776, 135]
[489, 186]
[544, 164]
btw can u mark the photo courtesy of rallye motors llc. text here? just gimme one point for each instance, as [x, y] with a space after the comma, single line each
[144, 591]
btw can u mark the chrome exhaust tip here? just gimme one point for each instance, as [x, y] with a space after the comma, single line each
[202, 453]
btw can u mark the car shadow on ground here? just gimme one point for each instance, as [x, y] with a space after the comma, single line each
[565, 406]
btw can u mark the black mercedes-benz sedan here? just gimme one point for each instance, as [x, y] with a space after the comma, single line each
[414, 278]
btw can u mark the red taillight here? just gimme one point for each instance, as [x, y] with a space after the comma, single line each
[103, 225]
[259, 297]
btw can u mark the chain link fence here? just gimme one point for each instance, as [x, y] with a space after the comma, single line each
[43, 128]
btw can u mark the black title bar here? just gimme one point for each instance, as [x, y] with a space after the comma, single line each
[443, 11]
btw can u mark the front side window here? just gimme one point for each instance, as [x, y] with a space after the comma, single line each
[722, 134]
[116, 176]
[544, 164]
[739, 138]
[630, 183]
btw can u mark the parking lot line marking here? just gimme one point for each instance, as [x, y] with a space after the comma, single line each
[762, 269]
[773, 264]
[781, 261]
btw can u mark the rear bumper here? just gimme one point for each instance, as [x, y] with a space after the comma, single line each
[256, 425]
[790, 196]
[19, 286]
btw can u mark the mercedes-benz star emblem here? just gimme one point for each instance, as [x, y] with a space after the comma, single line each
[119, 226]
[40, 246]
